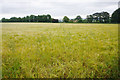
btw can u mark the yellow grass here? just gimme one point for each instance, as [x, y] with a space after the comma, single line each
[49, 50]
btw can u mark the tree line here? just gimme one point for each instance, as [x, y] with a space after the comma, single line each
[31, 18]
[102, 17]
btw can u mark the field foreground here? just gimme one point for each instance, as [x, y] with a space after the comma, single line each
[47, 50]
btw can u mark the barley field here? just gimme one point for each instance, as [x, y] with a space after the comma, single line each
[59, 50]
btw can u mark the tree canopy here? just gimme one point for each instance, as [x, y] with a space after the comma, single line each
[31, 18]
[78, 19]
[65, 19]
[116, 16]
[102, 17]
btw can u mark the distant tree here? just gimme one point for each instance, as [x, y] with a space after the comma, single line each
[4, 20]
[96, 17]
[102, 17]
[32, 17]
[116, 16]
[65, 19]
[44, 17]
[35, 19]
[78, 19]
[24, 19]
[13, 19]
[39, 18]
[49, 18]
[28, 18]
[89, 18]
[19, 19]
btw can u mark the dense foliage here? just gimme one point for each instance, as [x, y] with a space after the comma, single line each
[102, 17]
[65, 19]
[78, 19]
[31, 18]
[116, 16]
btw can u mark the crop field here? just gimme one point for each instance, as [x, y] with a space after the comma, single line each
[59, 50]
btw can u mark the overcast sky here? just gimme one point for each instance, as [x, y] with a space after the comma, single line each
[56, 8]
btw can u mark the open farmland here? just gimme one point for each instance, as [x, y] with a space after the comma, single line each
[49, 50]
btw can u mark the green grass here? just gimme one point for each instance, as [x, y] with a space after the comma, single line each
[47, 50]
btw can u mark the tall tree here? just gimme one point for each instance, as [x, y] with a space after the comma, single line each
[78, 19]
[13, 19]
[102, 17]
[28, 18]
[116, 16]
[105, 16]
[89, 18]
[65, 19]
[96, 17]
[49, 18]
[32, 17]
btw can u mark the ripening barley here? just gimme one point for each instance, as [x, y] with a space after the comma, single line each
[50, 51]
